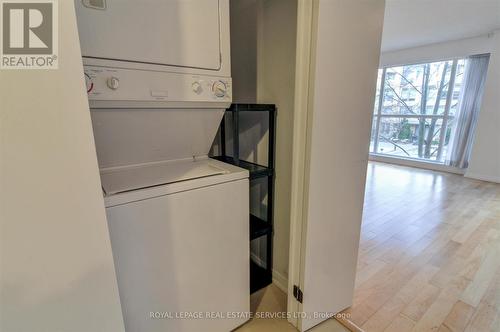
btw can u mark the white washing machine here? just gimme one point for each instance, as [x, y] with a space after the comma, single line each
[178, 220]
[179, 233]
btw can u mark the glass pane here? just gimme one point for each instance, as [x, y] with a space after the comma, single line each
[448, 138]
[403, 90]
[459, 78]
[374, 132]
[413, 109]
[410, 137]
[377, 96]
[437, 86]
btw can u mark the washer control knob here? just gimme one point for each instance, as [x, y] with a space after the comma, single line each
[197, 88]
[219, 89]
[113, 83]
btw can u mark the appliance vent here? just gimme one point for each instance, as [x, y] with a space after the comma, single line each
[95, 4]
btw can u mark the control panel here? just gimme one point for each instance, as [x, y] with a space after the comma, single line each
[122, 85]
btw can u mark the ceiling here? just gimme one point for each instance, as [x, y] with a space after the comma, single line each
[411, 23]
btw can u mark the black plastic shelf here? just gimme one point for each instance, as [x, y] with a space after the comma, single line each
[259, 277]
[256, 171]
[252, 108]
[259, 227]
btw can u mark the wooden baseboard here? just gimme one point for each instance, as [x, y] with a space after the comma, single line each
[482, 177]
[416, 163]
[280, 281]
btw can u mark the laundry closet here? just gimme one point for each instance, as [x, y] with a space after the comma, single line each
[159, 77]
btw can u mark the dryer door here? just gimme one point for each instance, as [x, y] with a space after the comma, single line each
[180, 33]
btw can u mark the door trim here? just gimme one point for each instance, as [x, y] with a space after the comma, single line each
[307, 13]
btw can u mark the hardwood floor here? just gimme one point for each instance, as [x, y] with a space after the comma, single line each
[429, 256]
[271, 300]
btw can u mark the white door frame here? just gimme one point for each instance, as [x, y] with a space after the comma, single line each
[307, 13]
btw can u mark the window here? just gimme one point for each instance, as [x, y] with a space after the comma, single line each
[415, 110]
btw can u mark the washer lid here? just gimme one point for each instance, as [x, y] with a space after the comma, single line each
[129, 178]
[138, 185]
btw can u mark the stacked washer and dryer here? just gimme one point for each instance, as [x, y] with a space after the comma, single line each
[158, 80]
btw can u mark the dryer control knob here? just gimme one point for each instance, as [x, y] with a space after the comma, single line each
[219, 89]
[197, 88]
[113, 83]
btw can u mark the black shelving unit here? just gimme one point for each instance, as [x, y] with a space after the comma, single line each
[259, 276]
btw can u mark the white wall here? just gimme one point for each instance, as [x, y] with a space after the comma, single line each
[57, 270]
[275, 85]
[246, 21]
[436, 52]
[485, 158]
[244, 15]
[263, 35]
